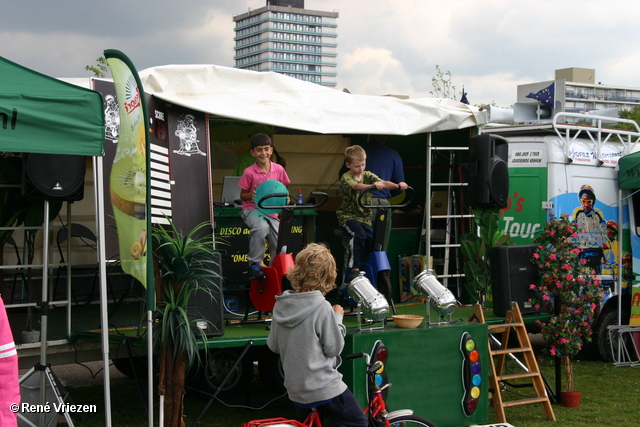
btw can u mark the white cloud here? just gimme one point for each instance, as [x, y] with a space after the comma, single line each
[374, 72]
[383, 47]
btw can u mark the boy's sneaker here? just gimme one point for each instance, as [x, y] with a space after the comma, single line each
[255, 272]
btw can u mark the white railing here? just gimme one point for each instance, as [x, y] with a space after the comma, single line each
[598, 134]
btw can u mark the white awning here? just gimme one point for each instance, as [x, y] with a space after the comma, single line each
[275, 99]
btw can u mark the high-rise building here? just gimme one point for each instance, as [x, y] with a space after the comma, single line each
[576, 91]
[286, 38]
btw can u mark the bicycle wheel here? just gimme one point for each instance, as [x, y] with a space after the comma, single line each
[409, 420]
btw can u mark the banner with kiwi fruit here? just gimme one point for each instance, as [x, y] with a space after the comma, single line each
[128, 180]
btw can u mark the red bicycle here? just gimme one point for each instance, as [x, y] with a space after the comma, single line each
[376, 410]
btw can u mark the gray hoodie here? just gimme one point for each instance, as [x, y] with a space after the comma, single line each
[309, 337]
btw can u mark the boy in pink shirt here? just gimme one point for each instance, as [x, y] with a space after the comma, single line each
[263, 226]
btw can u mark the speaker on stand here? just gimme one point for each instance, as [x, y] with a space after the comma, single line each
[50, 177]
[488, 173]
[53, 177]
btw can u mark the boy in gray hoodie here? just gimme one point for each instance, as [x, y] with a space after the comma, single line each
[308, 334]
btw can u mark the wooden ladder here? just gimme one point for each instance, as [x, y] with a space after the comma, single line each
[497, 357]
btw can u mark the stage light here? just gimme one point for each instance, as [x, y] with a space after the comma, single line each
[440, 297]
[373, 304]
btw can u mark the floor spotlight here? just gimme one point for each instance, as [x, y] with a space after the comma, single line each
[373, 304]
[441, 298]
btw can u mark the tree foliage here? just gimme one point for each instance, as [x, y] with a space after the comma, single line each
[443, 86]
[101, 69]
[633, 114]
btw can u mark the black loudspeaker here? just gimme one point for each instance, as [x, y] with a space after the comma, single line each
[53, 177]
[206, 305]
[488, 171]
[512, 272]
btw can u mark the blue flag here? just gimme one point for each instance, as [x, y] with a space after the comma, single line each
[464, 99]
[546, 96]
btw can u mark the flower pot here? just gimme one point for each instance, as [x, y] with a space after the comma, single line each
[570, 399]
[30, 336]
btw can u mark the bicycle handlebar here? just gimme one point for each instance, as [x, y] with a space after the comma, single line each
[406, 203]
[355, 356]
[373, 368]
[304, 205]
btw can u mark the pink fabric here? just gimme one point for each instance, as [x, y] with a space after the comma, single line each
[253, 176]
[9, 385]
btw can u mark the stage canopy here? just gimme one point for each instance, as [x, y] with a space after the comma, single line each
[40, 114]
[275, 99]
[629, 172]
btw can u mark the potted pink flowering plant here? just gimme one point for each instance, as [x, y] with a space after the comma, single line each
[567, 285]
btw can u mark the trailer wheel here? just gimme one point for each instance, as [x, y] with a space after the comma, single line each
[601, 341]
[217, 365]
[271, 371]
[136, 366]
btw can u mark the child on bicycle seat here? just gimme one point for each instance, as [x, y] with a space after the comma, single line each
[263, 226]
[352, 217]
[308, 334]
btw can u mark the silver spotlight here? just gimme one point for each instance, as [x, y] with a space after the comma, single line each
[427, 284]
[373, 304]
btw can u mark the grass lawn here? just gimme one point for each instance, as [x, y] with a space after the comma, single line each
[610, 397]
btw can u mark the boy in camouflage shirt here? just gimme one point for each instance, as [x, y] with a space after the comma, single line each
[356, 220]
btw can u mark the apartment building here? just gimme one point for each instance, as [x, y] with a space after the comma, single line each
[286, 38]
[576, 90]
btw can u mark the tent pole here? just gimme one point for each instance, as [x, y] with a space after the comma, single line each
[68, 268]
[618, 283]
[427, 206]
[102, 263]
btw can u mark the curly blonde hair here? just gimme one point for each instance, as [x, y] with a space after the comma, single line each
[315, 269]
[354, 153]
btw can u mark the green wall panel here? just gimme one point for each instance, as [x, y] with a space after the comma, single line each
[425, 368]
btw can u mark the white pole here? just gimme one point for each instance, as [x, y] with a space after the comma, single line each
[102, 263]
[150, 362]
[618, 284]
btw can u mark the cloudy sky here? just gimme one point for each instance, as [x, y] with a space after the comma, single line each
[384, 46]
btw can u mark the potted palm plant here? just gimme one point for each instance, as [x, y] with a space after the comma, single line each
[185, 263]
[475, 249]
[569, 287]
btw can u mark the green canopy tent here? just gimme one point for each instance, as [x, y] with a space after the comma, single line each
[628, 179]
[40, 114]
[629, 172]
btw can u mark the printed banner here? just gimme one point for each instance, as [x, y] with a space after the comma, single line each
[128, 180]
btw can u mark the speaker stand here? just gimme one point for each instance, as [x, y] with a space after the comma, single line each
[46, 374]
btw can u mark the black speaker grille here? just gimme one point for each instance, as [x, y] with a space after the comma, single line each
[499, 183]
[206, 305]
[53, 176]
[512, 272]
[488, 174]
